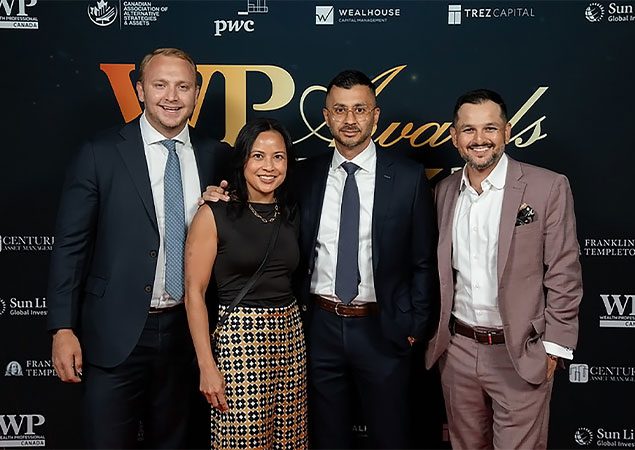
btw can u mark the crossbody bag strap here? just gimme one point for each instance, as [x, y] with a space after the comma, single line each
[250, 283]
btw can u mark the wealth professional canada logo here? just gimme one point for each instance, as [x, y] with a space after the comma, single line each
[14, 15]
[620, 311]
[102, 14]
[21, 430]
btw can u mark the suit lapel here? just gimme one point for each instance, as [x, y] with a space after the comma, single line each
[315, 200]
[448, 201]
[384, 179]
[203, 160]
[132, 152]
[514, 190]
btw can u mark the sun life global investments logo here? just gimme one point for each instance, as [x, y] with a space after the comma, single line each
[222, 26]
[14, 15]
[620, 311]
[26, 243]
[324, 15]
[35, 306]
[20, 430]
[583, 436]
[102, 14]
[594, 12]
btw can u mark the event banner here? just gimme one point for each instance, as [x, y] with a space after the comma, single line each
[565, 68]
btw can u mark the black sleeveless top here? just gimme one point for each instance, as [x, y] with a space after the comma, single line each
[242, 244]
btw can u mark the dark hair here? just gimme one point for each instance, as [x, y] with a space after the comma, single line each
[478, 96]
[242, 148]
[349, 78]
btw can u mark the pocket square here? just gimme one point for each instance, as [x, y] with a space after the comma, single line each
[526, 214]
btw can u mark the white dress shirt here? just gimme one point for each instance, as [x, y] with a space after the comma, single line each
[323, 279]
[475, 230]
[156, 158]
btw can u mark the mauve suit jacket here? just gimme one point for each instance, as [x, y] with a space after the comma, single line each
[107, 239]
[539, 274]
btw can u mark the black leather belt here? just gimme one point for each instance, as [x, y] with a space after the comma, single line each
[486, 336]
[153, 310]
[342, 310]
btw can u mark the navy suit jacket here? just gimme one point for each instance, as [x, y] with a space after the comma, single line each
[107, 240]
[403, 241]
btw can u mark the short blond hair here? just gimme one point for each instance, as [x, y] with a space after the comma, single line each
[174, 52]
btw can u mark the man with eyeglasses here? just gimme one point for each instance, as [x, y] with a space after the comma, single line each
[367, 272]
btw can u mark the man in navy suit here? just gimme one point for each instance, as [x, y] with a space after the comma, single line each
[115, 290]
[367, 272]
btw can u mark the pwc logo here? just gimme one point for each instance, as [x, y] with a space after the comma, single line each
[222, 26]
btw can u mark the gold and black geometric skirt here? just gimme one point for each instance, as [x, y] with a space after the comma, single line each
[262, 355]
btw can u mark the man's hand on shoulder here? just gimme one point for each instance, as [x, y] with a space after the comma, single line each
[67, 356]
[215, 193]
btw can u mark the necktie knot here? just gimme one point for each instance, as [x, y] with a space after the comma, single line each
[170, 144]
[350, 167]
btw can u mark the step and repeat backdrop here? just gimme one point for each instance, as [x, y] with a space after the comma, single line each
[565, 69]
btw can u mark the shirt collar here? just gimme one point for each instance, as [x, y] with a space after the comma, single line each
[366, 160]
[151, 136]
[496, 178]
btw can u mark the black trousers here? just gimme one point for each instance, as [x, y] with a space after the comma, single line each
[144, 402]
[350, 359]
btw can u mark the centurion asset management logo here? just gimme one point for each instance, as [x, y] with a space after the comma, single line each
[26, 243]
[584, 373]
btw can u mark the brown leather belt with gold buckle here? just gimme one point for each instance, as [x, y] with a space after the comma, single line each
[482, 336]
[342, 310]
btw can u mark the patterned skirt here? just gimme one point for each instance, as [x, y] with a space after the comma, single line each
[262, 355]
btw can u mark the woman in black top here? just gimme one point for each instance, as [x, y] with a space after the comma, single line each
[257, 384]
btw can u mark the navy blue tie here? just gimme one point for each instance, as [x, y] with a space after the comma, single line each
[174, 238]
[347, 272]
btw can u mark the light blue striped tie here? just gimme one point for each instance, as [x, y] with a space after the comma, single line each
[174, 222]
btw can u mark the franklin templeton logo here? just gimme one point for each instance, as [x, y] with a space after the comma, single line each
[14, 369]
[601, 437]
[30, 368]
[14, 15]
[21, 430]
[620, 311]
[13, 306]
[608, 247]
[25, 243]
[584, 373]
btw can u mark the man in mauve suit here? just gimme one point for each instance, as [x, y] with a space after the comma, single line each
[510, 281]
[367, 272]
[116, 325]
